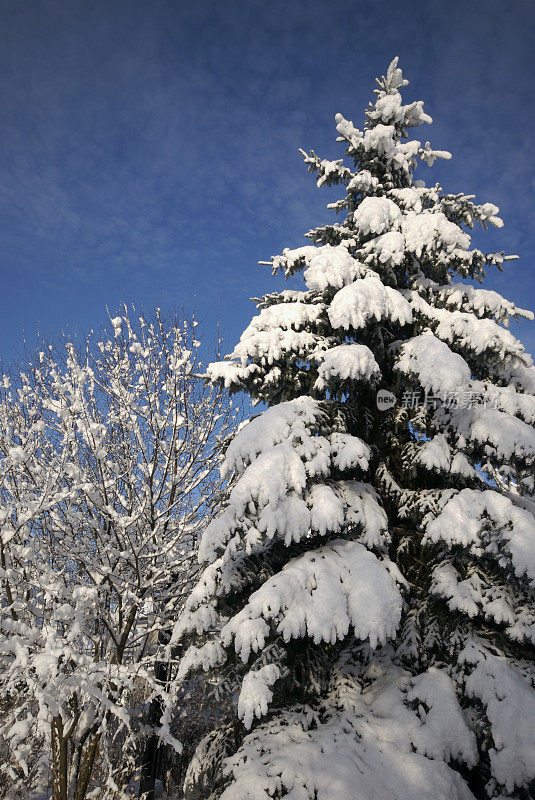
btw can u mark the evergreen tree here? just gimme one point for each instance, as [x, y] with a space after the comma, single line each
[370, 581]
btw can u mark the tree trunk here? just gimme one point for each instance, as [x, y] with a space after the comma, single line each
[85, 770]
[59, 760]
[152, 754]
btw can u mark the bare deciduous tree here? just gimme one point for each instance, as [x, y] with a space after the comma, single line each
[107, 467]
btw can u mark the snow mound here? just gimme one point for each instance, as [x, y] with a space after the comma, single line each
[499, 434]
[326, 266]
[470, 333]
[354, 362]
[434, 365]
[432, 230]
[435, 454]
[255, 693]
[284, 315]
[375, 748]
[377, 215]
[320, 594]
[368, 299]
[487, 522]
[286, 422]
[509, 699]
[349, 452]
[331, 267]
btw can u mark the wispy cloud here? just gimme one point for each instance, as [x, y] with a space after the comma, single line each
[151, 149]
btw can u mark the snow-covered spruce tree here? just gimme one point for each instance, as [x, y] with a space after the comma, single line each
[370, 581]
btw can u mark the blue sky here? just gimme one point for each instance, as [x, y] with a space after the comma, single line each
[149, 149]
